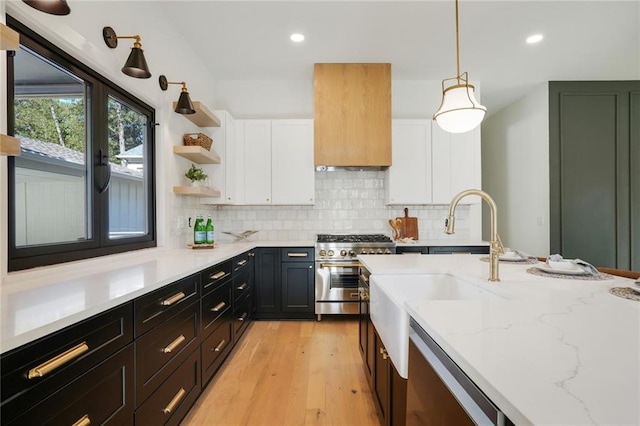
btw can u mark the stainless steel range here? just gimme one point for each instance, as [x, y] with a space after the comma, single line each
[337, 268]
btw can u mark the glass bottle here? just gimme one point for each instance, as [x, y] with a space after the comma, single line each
[209, 230]
[199, 231]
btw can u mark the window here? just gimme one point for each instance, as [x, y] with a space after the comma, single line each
[83, 185]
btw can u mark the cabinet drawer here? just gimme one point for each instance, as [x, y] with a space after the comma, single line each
[241, 316]
[459, 250]
[215, 349]
[160, 350]
[153, 308]
[241, 284]
[102, 395]
[215, 306]
[172, 400]
[241, 262]
[293, 254]
[84, 345]
[212, 277]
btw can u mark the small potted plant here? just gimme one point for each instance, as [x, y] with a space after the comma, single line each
[196, 175]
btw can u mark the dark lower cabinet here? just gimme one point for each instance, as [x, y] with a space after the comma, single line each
[284, 283]
[102, 395]
[484, 249]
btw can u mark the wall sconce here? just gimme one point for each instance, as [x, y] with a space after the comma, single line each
[136, 66]
[53, 7]
[184, 105]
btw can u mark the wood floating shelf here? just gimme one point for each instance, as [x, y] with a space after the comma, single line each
[203, 116]
[9, 145]
[196, 191]
[197, 154]
[9, 39]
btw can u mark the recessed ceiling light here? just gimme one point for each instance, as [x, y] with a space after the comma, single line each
[536, 38]
[297, 37]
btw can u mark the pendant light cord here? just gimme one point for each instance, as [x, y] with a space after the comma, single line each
[457, 45]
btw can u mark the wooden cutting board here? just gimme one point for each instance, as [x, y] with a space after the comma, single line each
[409, 225]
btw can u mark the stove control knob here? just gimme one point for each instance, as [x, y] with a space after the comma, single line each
[323, 253]
[363, 251]
[352, 253]
[330, 253]
[380, 251]
[387, 251]
[343, 253]
[372, 251]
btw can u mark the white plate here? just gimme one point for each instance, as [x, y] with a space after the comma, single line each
[562, 271]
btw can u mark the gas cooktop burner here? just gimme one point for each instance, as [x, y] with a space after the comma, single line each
[355, 238]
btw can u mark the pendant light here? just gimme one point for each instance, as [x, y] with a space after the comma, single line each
[136, 66]
[53, 7]
[184, 105]
[459, 111]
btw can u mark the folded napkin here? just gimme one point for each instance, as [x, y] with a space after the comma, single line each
[585, 266]
[511, 254]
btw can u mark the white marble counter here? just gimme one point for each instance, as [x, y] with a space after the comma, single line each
[551, 351]
[36, 302]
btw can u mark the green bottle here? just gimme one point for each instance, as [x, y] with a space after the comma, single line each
[209, 230]
[199, 236]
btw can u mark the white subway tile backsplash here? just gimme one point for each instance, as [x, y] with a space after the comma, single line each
[346, 202]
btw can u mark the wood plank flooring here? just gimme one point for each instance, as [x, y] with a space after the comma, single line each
[290, 373]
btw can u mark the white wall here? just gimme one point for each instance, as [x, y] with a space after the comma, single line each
[515, 171]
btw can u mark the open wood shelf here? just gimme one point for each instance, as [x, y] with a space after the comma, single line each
[197, 154]
[9, 39]
[196, 191]
[9, 145]
[203, 116]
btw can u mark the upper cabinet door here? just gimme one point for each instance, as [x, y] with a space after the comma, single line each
[257, 161]
[456, 164]
[408, 180]
[292, 173]
[352, 114]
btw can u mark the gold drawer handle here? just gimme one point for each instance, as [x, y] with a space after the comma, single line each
[218, 307]
[243, 317]
[171, 346]
[220, 346]
[297, 254]
[218, 275]
[173, 299]
[58, 361]
[242, 287]
[83, 421]
[174, 401]
[242, 262]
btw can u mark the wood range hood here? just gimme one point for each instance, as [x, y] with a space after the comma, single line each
[352, 126]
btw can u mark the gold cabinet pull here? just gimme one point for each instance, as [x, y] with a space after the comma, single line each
[242, 287]
[243, 317]
[220, 346]
[218, 275]
[218, 307]
[297, 254]
[171, 346]
[58, 361]
[242, 262]
[174, 401]
[173, 299]
[83, 421]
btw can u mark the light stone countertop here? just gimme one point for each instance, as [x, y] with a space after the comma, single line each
[552, 351]
[39, 301]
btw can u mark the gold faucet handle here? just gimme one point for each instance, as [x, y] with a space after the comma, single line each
[500, 245]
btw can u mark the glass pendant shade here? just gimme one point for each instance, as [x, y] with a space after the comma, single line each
[184, 105]
[136, 66]
[459, 112]
[53, 7]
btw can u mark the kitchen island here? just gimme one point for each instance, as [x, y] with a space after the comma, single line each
[544, 350]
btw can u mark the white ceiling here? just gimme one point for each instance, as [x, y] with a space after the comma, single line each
[583, 39]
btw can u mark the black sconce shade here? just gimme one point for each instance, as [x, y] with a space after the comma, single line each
[136, 65]
[184, 105]
[53, 7]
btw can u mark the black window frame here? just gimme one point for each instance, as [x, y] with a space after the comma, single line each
[20, 258]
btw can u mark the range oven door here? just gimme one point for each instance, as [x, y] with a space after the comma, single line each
[337, 281]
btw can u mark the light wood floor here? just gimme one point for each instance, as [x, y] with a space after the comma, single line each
[290, 373]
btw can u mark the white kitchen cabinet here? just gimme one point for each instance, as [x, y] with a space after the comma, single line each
[456, 164]
[292, 169]
[221, 175]
[408, 180]
[257, 161]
